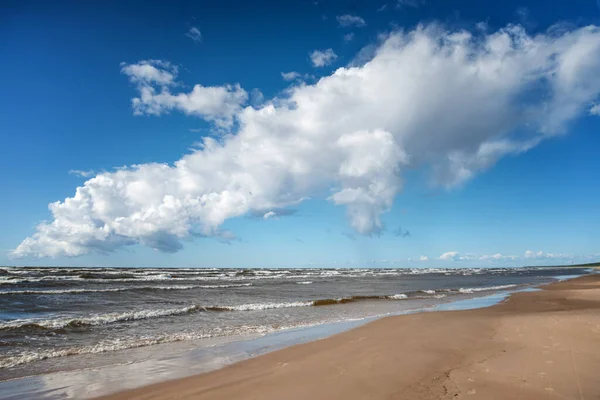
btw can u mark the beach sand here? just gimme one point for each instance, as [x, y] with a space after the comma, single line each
[535, 345]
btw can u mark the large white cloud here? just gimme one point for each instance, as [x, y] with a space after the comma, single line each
[452, 102]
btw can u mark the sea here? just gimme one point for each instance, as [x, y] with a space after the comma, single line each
[65, 319]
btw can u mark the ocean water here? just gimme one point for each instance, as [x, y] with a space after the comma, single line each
[62, 319]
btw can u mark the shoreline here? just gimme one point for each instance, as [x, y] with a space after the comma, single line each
[175, 361]
[424, 355]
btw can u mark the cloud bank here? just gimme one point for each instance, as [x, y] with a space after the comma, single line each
[452, 102]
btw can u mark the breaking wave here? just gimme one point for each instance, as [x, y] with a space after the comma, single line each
[122, 289]
[484, 289]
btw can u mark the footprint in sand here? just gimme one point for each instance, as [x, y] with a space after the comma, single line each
[472, 391]
[549, 362]
[549, 390]
[471, 379]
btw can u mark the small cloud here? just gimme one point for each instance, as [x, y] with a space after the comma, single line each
[83, 174]
[595, 110]
[449, 256]
[401, 232]
[293, 76]
[300, 240]
[290, 76]
[270, 215]
[348, 20]
[348, 37]
[274, 213]
[322, 58]
[493, 257]
[456, 256]
[382, 8]
[194, 34]
[540, 255]
[423, 258]
[195, 130]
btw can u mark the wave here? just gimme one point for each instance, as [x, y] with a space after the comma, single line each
[485, 289]
[304, 283]
[62, 323]
[123, 344]
[122, 289]
[93, 320]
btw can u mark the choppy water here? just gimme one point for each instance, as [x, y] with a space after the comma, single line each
[49, 316]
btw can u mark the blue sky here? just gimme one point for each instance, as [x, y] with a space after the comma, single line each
[71, 69]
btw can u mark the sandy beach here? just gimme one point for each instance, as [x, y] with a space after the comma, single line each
[535, 345]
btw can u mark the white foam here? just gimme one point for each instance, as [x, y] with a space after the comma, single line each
[122, 289]
[267, 306]
[400, 296]
[304, 283]
[485, 289]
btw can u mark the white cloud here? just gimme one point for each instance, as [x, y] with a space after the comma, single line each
[348, 37]
[595, 109]
[541, 255]
[423, 258]
[194, 34]
[497, 257]
[290, 76]
[450, 101]
[322, 58]
[149, 72]
[81, 173]
[154, 79]
[450, 256]
[270, 215]
[348, 20]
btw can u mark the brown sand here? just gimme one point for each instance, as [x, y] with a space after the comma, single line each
[536, 345]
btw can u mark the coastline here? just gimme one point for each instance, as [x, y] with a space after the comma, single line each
[524, 345]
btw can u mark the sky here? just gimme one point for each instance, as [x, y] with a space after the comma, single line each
[411, 133]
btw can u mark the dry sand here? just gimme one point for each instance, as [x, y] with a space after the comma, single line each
[535, 345]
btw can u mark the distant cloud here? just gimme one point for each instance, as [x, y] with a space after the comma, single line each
[83, 174]
[595, 110]
[274, 213]
[194, 34]
[456, 256]
[423, 258]
[401, 232]
[449, 256]
[322, 58]
[382, 8]
[540, 255]
[348, 20]
[348, 37]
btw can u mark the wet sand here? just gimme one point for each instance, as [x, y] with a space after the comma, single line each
[535, 345]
